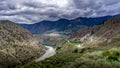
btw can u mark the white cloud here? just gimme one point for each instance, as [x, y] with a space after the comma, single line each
[31, 11]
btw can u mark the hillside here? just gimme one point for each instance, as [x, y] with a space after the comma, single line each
[92, 47]
[63, 25]
[106, 31]
[17, 45]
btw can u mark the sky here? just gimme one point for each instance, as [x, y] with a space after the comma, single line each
[32, 11]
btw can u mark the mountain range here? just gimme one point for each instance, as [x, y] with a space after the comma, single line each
[63, 25]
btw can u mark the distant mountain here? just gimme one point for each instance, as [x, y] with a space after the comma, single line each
[17, 45]
[63, 24]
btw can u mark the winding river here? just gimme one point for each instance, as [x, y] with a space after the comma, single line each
[50, 51]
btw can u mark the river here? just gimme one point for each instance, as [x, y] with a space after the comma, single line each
[50, 51]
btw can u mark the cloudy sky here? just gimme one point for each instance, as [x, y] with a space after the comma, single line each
[32, 11]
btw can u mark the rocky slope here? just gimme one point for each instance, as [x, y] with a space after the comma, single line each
[17, 45]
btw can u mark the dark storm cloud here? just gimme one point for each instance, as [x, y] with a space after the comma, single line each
[31, 11]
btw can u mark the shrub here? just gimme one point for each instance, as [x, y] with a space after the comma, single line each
[76, 50]
[116, 53]
[106, 53]
[112, 58]
[58, 48]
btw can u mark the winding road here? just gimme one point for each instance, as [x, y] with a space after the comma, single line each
[50, 51]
